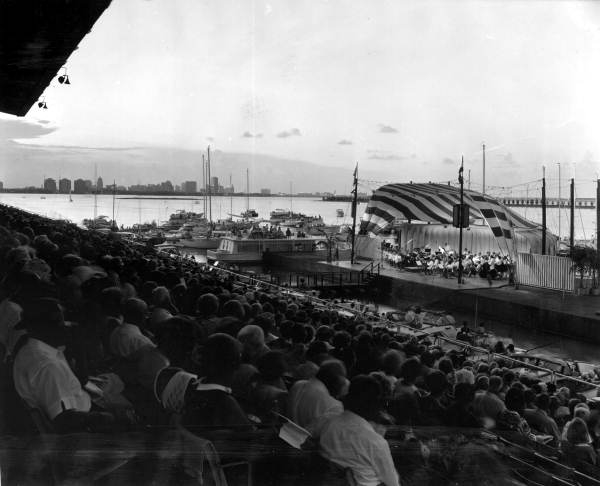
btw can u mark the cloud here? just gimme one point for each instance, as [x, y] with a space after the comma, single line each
[448, 161]
[387, 129]
[44, 122]
[292, 132]
[247, 134]
[210, 139]
[345, 142]
[379, 155]
[12, 129]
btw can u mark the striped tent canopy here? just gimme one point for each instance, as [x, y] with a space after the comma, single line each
[433, 203]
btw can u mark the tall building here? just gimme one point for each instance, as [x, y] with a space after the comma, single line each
[189, 187]
[166, 186]
[81, 186]
[100, 185]
[265, 192]
[64, 186]
[49, 185]
[1, 186]
[214, 183]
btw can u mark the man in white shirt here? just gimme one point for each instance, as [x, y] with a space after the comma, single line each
[42, 376]
[127, 340]
[351, 441]
[312, 402]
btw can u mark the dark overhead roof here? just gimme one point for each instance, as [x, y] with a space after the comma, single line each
[36, 39]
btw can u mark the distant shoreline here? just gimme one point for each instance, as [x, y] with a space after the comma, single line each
[162, 195]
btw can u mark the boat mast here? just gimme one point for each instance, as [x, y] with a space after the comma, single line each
[230, 199]
[114, 224]
[354, 202]
[95, 193]
[204, 186]
[209, 187]
[291, 208]
[247, 190]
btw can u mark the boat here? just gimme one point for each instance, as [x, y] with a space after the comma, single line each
[181, 217]
[101, 222]
[251, 250]
[280, 215]
[361, 198]
[249, 213]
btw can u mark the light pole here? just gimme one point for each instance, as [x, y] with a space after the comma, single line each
[559, 203]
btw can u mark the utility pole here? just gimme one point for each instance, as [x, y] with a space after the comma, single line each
[204, 185]
[598, 217]
[460, 221]
[572, 214]
[483, 190]
[354, 203]
[559, 204]
[209, 187]
[544, 229]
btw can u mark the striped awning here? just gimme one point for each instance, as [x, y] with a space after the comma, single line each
[433, 203]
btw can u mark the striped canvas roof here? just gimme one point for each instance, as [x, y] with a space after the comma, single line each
[434, 203]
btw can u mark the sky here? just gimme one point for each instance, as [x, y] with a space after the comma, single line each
[404, 88]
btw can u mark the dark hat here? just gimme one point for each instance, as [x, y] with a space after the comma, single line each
[41, 313]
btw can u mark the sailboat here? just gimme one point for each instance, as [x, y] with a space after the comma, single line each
[199, 236]
[70, 198]
[249, 213]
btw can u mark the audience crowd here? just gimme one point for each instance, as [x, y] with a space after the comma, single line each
[99, 335]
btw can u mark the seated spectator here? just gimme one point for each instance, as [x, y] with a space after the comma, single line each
[391, 363]
[577, 446]
[432, 410]
[127, 339]
[460, 411]
[209, 403]
[539, 420]
[312, 402]
[350, 440]
[270, 392]
[42, 376]
[405, 406]
[487, 406]
[253, 343]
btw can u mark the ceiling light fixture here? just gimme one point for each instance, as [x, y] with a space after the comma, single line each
[64, 78]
